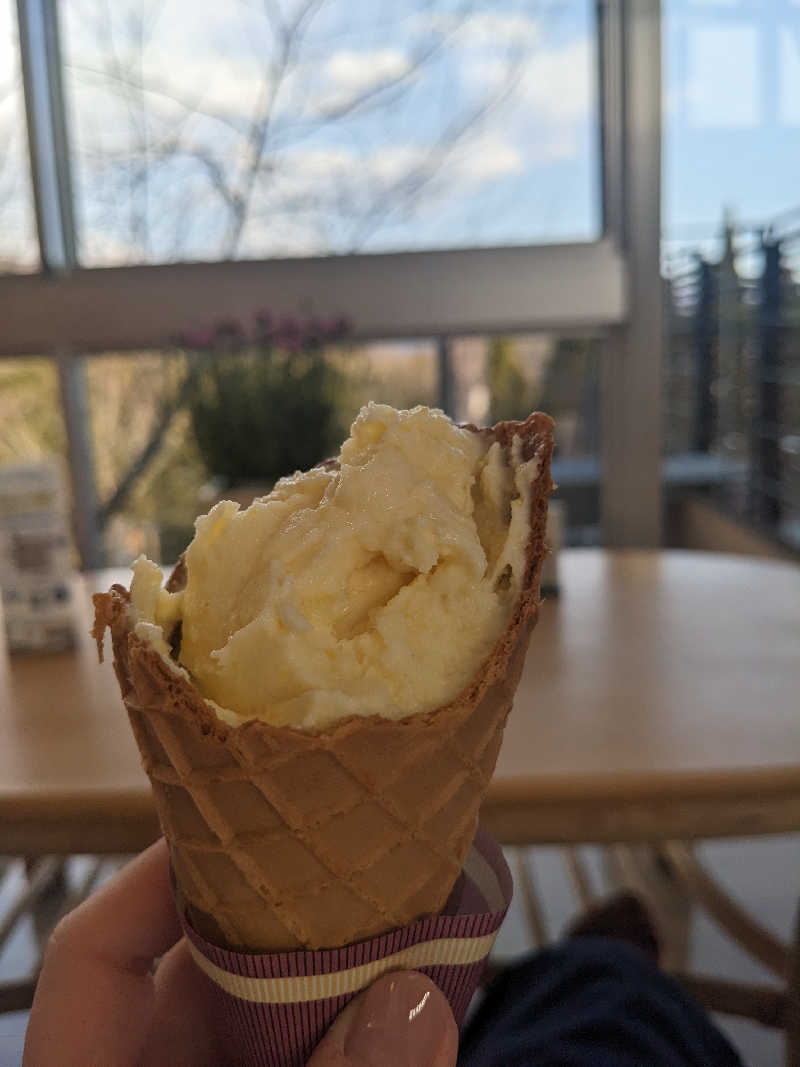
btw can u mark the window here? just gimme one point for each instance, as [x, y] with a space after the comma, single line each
[139, 408]
[18, 249]
[732, 257]
[209, 131]
[454, 145]
[731, 117]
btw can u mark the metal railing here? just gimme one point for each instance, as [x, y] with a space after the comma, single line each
[732, 373]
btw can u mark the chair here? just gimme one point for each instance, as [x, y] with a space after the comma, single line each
[42, 890]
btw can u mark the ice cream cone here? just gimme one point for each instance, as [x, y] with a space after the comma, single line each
[282, 838]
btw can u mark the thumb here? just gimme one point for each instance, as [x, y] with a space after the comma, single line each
[402, 1020]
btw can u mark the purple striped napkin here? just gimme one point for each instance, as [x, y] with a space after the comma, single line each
[275, 1007]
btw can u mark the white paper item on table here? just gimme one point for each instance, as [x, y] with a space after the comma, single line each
[35, 558]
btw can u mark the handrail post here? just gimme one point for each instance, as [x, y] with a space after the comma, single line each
[703, 345]
[766, 460]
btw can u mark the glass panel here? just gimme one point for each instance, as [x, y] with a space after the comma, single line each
[207, 131]
[36, 553]
[732, 260]
[31, 427]
[731, 117]
[18, 247]
[400, 373]
[500, 377]
[135, 404]
[215, 440]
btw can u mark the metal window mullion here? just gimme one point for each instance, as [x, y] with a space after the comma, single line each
[389, 295]
[48, 148]
[611, 115]
[446, 381]
[631, 497]
[47, 133]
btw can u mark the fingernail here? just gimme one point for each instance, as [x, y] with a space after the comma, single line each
[402, 1020]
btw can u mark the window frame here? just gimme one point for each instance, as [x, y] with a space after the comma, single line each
[610, 286]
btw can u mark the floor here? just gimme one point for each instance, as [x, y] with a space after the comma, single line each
[764, 875]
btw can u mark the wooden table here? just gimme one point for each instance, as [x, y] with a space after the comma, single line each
[660, 699]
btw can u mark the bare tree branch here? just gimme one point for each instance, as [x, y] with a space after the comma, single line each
[139, 465]
[160, 89]
[357, 102]
[235, 172]
[410, 187]
[260, 126]
[274, 14]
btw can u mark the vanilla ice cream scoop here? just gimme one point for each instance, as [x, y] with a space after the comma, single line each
[377, 585]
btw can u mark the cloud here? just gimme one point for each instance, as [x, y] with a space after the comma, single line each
[790, 77]
[282, 235]
[314, 172]
[390, 164]
[722, 87]
[559, 84]
[9, 54]
[487, 158]
[548, 111]
[315, 163]
[312, 175]
[482, 28]
[351, 72]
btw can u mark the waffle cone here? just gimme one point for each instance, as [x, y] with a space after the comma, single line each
[282, 838]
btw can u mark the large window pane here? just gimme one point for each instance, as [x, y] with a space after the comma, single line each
[507, 377]
[157, 467]
[18, 249]
[140, 407]
[732, 261]
[731, 116]
[203, 130]
[31, 426]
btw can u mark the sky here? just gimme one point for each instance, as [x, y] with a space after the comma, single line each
[485, 131]
[731, 100]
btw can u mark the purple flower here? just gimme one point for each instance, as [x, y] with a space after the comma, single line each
[230, 334]
[314, 333]
[289, 334]
[335, 328]
[198, 340]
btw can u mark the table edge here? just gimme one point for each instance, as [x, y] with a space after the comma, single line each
[545, 789]
[643, 786]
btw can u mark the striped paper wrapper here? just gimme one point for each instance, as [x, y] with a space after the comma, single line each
[275, 1007]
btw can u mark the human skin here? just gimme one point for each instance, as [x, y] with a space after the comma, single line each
[119, 986]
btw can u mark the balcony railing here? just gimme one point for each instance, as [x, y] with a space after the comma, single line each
[732, 375]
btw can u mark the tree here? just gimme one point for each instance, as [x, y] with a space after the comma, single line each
[510, 394]
[267, 404]
[570, 392]
[342, 124]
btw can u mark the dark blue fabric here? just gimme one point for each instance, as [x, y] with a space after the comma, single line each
[590, 1002]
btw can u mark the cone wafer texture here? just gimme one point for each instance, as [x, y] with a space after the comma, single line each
[283, 838]
[274, 1008]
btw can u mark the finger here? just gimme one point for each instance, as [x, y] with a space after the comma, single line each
[94, 998]
[402, 1020]
[185, 1009]
[129, 922]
